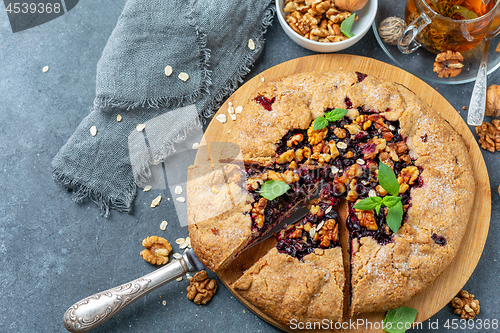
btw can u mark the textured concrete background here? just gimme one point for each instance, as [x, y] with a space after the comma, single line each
[54, 252]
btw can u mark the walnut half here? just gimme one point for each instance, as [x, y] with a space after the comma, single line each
[448, 64]
[465, 305]
[157, 250]
[201, 289]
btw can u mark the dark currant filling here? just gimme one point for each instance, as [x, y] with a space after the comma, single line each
[440, 240]
[317, 230]
[339, 161]
[361, 76]
[265, 102]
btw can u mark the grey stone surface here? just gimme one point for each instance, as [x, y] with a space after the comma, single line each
[54, 252]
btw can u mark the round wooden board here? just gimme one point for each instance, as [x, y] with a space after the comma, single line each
[449, 283]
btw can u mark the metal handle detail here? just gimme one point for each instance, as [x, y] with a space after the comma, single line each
[92, 311]
[478, 99]
[407, 42]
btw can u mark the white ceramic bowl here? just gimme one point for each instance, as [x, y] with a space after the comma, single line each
[366, 15]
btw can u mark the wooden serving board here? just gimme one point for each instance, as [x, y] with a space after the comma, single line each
[450, 282]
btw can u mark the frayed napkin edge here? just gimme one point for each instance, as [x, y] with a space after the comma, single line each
[243, 69]
[106, 102]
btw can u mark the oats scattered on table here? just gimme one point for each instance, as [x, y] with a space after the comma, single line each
[188, 276]
[168, 70]
[233, 117]
[140, 127]
[251, 44]
[156, 201]
[93, 130]
[196, 145]
[45, 69]
[147, 188]
[181, 199]
[229, 131]
[230, 104]
[180, 240]
[164, 303]
[230, 110]
[118, 117]
[179, 279]
[183, 76]
[184, 245]
[221, 118]
[262, 79]
[178, 190]
[238, 109]
[163, 225]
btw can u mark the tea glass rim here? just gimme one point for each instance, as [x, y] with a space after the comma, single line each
[492, 10]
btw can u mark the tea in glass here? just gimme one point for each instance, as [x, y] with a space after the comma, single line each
[455, 25]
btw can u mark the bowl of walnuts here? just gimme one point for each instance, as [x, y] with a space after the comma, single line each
[326, 25]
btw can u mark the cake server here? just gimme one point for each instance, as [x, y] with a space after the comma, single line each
[94, 310]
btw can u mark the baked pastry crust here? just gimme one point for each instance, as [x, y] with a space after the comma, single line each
[286, 288]
[384, 276]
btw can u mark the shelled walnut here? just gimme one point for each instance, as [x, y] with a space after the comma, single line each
[448, 64]
[201, 289]
[157, 250]
[489, 135]
[465, 305]
[319, 20]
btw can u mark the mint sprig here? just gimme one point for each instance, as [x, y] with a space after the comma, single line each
[346, 26]
[332, 116]
[387, 179]
[399, 320]
[273, 189]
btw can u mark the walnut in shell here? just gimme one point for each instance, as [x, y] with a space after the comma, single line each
[492, 101]
[350, 5]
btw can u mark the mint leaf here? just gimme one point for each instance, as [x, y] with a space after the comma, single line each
[369, 203]
[390, 201]
[335, 114]
[387, 179]
[399, 320]
[346, 26]
[320, 123]
[273, 189]
[395, 217]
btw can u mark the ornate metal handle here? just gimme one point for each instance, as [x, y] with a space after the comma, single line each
[478, 99]
[92, 311]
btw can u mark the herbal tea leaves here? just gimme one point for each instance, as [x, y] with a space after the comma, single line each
[273, 189]
[332, 116]
[346, 26]
[399, 320]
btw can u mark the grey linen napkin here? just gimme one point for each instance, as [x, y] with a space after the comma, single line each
[208, 40]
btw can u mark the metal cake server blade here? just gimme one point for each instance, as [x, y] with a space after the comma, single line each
[94, 310]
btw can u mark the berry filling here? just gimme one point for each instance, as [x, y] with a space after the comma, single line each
[317, 230]
[339, 161]
[265, 102]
